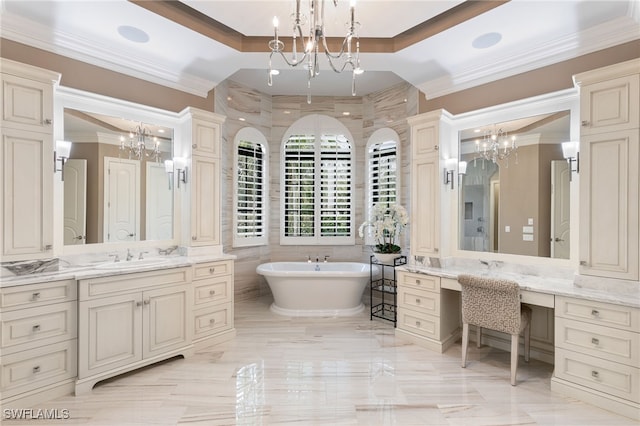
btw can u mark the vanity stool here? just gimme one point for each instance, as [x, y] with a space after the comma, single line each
[494, 304]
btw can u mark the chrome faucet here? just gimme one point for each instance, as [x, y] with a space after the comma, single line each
[168, 250]
[326, 257]
[317, 268]
[141, 255]
[309, 258]
[115, 256]
[129, 255]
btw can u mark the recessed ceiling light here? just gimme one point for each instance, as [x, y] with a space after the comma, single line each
[286, 112]
[242, 119]
[346, 113]
[133, 34]
[486, 40]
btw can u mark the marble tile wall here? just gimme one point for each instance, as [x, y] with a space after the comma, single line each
[273, 115]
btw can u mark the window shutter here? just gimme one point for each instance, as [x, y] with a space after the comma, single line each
[250, 187]
[299, 177]
[383, 173]
[335, 186]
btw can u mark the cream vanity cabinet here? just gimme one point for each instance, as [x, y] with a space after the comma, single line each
[26, 161]
[428, 131]
[212, 302]
[39, 341]
[609, 163]
[597, 355]
[128, 321]
[203, 129]
[427, 315]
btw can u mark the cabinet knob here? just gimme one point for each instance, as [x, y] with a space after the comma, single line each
[212, 321]
[436, 147]
[36, 369]
[417, 301]
[595, 312]
[36, 327]
[418, 282]
[435, 249]
[212, 292]
[194, 238]
[417, 323]
[595, 374]
[583, 263]
[47, 121]
[194, 146]
[212, 270]
[138, 303]
[585, 123]
[146, 302]
[595, 341]
[35, 296]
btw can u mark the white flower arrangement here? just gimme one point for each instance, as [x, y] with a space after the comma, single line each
[387, 221]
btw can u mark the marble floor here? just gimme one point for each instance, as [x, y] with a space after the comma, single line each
[327, 371]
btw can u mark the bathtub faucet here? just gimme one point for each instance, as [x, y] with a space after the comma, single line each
[309, 259]
[325, 258]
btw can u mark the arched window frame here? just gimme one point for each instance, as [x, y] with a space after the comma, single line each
[260, 233]
[380, 137]
[314, 127]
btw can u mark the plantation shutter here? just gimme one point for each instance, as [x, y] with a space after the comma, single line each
[299, 181]
[250, 190]
[383, 173]
[335, 186]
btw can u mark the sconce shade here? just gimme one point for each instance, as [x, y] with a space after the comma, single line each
[462, 168]
[569, 149]
[168, 166]
[63, 149]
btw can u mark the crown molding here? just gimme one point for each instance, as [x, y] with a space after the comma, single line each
[618, 31]
[101, 55]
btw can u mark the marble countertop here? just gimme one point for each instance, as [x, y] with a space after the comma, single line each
[626, 295]
[92, 268]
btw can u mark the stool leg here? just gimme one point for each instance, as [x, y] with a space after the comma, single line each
[514, 357]
[527, 341]
[478, 336]
[465, 343]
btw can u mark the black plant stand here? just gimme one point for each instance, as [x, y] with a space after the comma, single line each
[384, 288]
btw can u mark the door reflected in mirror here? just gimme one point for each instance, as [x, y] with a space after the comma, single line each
[116, 187]
[515, 199]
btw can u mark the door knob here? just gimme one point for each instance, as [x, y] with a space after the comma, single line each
[557, 240]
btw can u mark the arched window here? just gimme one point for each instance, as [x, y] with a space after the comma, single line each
[317, 183]
[250, 188]
[383, 173]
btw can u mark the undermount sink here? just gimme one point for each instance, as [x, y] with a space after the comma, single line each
[138, 263]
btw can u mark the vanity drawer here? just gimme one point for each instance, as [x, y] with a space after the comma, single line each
[419, 323]
[421, 281]
[132, 283]
[38, 326]
[212, 269]
[29, 370]
[213, 290]
[31, 295]
[419, 300]
[603, 342]
[599, 374]
[606, 314]
[211, 321]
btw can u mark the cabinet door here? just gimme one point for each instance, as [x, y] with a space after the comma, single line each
[205, 204]
[27, 104]
[110, 333]
[425, 206]
[26, 181]
[424, 139]
[206, 139]
[610, 105]
[165, 319]
[609, 205]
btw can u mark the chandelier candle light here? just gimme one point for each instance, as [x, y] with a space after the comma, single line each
[315, 42]
[137, 144]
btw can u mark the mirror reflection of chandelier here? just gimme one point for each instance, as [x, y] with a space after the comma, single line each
[137, 147]
[315, 43]
[496, 145]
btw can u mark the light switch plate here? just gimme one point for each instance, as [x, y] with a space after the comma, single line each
[507, 228]
[530, 221]
[527, 237]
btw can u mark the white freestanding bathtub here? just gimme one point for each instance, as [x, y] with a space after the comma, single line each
[316, 289]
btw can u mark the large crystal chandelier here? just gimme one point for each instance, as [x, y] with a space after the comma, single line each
[315, 43]
[137, 144]
[496, 145]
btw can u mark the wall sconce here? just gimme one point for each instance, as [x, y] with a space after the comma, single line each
[448, 177]
[462, 168]
[572, 155]
[62, 153]
[168, 167]
[181, 168]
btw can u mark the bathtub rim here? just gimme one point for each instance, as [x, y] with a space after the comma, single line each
[317, 313]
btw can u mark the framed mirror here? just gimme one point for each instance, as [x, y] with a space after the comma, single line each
[516, 193]
[115, 187]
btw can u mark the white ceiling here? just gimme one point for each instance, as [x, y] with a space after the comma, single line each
[534, 33]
